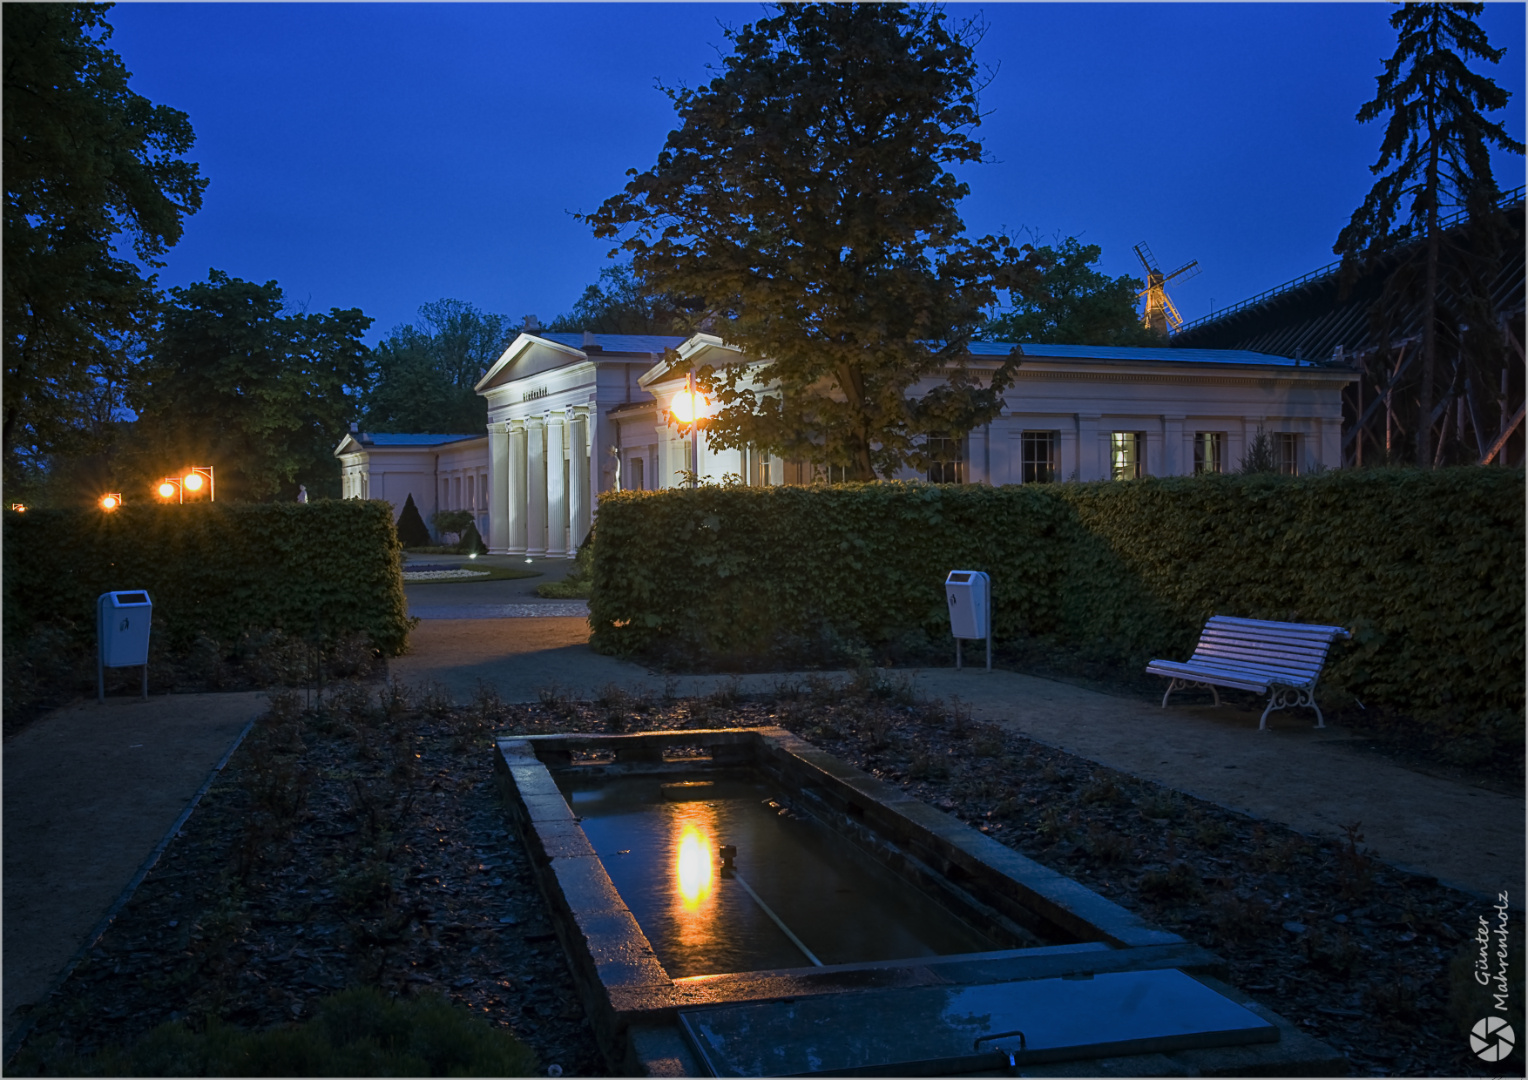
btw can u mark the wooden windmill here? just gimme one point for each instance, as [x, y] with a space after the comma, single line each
[1161, 315]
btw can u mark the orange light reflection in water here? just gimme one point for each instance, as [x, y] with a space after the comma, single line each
[694, 908]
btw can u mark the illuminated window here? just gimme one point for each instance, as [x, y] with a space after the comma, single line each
[1286, 445]
[1209, 452]
[1039, 450]
[1127, 455]
[946, 460]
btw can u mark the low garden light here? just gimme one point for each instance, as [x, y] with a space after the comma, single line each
[111, 501]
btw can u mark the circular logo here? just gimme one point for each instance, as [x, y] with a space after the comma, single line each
[1492, 1038]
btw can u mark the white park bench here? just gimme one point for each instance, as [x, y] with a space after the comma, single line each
[1280, 659]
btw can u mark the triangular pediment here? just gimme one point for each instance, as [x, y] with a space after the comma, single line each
[699, 350]
[526, 356]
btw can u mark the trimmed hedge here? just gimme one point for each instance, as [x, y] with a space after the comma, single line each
[214, 568]
[1426, 568]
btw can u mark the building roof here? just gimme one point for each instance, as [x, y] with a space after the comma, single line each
[1001, 349]
[1313, 318]
[618, 343]
[385, 439]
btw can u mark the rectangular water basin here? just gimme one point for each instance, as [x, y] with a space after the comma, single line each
[841, 901]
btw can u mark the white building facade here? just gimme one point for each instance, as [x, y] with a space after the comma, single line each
[571, 416]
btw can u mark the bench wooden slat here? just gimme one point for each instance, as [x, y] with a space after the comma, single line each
[1242, 648]
[1269, 624]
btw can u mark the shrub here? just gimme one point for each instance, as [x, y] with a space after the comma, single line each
[1425, 567]
[411, 530]
[358, 1032]
[579, 580]
[471, 543]
[228, 571]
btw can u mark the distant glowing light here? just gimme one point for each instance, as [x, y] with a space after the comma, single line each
[693, 868]
[110, 502]
[20, 508]
[166, 490]
[193, 481]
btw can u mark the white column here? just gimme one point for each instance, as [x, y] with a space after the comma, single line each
[498, 489]
[578, 430]
[535, 468]
[518, 496]
[556, 495]
[1172, 462]
[978, 469]
[1088, 436]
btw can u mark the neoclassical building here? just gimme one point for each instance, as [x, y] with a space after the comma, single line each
[571, 416]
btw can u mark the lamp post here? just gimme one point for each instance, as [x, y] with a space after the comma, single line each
[694, 431]
[195, 477]
[169, 488]
[686, 409]
[110, 501]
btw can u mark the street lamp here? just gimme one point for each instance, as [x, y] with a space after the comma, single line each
[688, 408]
[198, 475]
[169, 488]
[111, 501]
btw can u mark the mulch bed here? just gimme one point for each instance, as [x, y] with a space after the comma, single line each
[367, 845]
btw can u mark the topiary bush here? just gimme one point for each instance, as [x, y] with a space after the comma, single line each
[471, 543]
[411, 530]
[1425, 567]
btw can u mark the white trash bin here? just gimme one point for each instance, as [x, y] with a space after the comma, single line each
[122, 634]
[968, 594]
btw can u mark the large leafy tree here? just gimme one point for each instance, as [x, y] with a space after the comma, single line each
[1074, 303]
[618, 304]
[91, 168]
[238, 381]
[805, 211]
[421, 378]
[1435, 159]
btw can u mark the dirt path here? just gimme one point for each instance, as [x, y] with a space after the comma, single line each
[89, 791]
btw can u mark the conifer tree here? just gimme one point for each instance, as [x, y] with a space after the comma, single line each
[1435, 158]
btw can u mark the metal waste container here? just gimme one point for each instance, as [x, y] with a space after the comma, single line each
[969, 596]
[122, 632]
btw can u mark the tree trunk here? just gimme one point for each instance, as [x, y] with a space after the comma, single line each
[1429, 303]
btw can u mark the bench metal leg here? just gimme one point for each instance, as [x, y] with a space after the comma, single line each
[1184, 684]
[1290, 697]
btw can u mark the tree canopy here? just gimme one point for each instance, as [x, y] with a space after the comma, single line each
[421, 378]
[803, 209]
[1073, 303]
[89, 165]
[618, 304]
[236, 380]
[1435, 158]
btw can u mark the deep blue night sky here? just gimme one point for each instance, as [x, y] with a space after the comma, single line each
[382, 156]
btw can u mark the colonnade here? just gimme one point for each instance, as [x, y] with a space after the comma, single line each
[540, 500]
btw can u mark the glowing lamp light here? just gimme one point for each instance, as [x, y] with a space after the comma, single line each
[693, 868]
[110, 502]
[687, 407]
[193, 481]
[20, 508]
[166, 490]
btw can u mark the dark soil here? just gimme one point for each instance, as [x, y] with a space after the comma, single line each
[365, 845]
